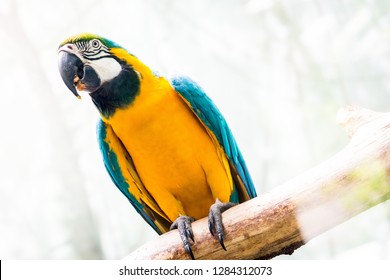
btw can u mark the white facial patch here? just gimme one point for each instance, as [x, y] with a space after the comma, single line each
[107, 68]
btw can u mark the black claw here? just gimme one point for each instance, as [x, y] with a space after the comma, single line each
[220, 237]
[215, 220]
[183, 225]
[187, 247]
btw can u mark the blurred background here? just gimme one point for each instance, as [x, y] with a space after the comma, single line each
[278, 70]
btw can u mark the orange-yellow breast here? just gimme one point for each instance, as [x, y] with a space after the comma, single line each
[174, 155]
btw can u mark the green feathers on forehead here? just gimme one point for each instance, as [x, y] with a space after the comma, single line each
[90, 36]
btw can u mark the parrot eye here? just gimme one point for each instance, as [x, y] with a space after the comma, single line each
[95, 43]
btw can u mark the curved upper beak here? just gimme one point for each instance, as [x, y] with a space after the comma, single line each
[77, 75]
[71, 68]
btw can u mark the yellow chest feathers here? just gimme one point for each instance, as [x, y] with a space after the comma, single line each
[174, 155]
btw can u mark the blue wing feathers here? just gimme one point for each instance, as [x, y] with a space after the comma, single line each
[209, 114]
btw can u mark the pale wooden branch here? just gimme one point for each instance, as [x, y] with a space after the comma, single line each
[278, 222]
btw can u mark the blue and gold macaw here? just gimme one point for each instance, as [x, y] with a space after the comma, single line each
[164, 143]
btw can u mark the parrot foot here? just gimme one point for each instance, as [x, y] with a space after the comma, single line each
[215, 219]
[183, 225]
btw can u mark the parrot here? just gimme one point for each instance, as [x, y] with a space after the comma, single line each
[163, 141]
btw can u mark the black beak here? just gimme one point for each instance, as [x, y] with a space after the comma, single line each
[71, 68]
[76, 75]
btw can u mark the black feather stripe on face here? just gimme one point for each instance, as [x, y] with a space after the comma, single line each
[120, 92]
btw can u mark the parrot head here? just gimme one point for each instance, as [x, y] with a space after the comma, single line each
[101, 68]
[85, 63]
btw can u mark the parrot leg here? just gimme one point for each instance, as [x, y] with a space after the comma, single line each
[215, 219]
[183, 225]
